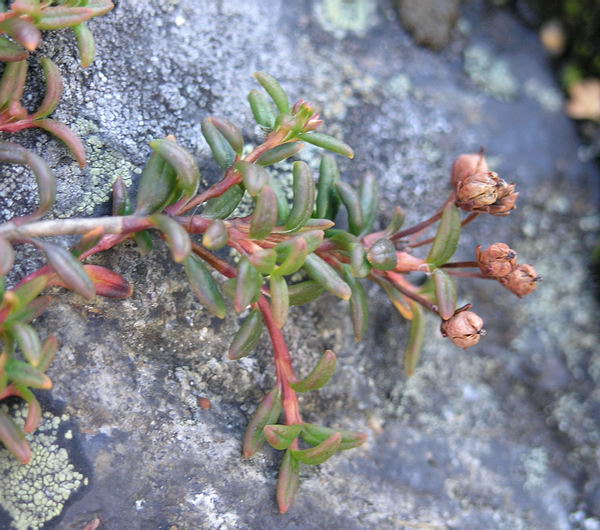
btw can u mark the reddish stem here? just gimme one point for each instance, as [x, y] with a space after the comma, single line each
[400, 284]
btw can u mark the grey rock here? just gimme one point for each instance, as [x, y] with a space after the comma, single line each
[503, 436]
[430, 22]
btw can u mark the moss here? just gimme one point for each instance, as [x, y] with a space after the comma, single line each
[35, 493]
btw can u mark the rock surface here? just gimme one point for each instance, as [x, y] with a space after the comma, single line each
[503, 436]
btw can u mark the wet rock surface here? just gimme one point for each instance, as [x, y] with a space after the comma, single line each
[502, 436]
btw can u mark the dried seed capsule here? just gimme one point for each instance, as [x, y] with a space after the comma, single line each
[521, 281]
[468, 164]
[464, 329]
[497, 261]
[477, 191]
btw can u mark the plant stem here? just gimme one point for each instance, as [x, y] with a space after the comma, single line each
[460, 264]
[399, 283]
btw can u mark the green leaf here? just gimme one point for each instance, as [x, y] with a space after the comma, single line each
[445, 293]
[34, 409]
[144, 243]
[30, 312]
[7, 257]
[29, 290]
[63, 17]
[327, 198]
[23, 31]
[28, 340]
[279, 153]
[267, 413]
[447, 237]
[322, 272]
[27, 375]
[12, 83]
[293, 253]
[177, 238]
[280, 437]
[327, 142]
[85, 43]
[216, 235]
[274, 89]
[352, 203]
[319, 454]
[11, 52]
[224, 205]
[359, 308]
[65, 135]
[415, 340]
[283, 207]
[49, 349]
[304, 292]
[280, 302]
[255, 176]
[358, 261]
[320, 375]
[249, 283]
[54, 89]
[304, 196]
[396, 222]
[316, 434]
[287, 482]
[68, 268]
[369, 201]
[382, 255]
[184, 163]
[221, 149]
[46, 182]
[247, 337]
[263, 260]
[230, 132]
[261, 109]
[158, 187]
[264, 217]
[121, 205]
[13, 439]
[204, 286]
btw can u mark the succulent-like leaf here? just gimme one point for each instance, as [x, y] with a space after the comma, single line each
[23, 31]
[28, 341]
[415, 340]
[281, 436]
[264, 217]
[49, 349]
[287, 481]
[7, 256]
[304, 196]
[34, 410]
[274, 89]
[13, 439]
[255, 176]
[249, 282]
[359, 307]
[63, 17]
[358, 261]
[396, 222]
[279, 153]
[121, 205]
[247, 337]
[327, 142]
[316, 434]
[223, 206]
[27, 375]
[294, 253]
[261, 109]
[319, 454]
[65, 135]
[184, 163]
[71, 272]
[446, 239]
[12, 83]
[221, 149]
[401, 303]
[352, 203]
[54, 89]
[369, 201]
[322, 272]
[320, 375]
[85, 43]
[230, 132]
[216, 235]
[177, 238]
[108, 283]
[25, 293]
[263, 260]
[46, 182]
[144, 243]
[327, 198]
[31, 311]
[382, 255]
[10, 51]
[304, 292]
[283, 207]
[267, 413]
[204, 286]
[158, 186]
[280, 301]
[445, 293]
[87, 241]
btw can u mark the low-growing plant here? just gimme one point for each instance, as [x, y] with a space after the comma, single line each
[272, 245]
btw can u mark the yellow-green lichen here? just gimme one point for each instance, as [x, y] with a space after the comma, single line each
[490, 73]
[35, 493]
[342, 16]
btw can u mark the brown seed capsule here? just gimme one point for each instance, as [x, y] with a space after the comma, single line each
[477, 191]
[497, 261]
[465, 329]
[522, 281]
[505, 204]
[468, 164]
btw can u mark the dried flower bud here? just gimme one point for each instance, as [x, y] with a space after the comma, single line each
[522, 281]
[477, 191]
[505, 204]
[464, 328]
[497, 261]
[468, 164]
